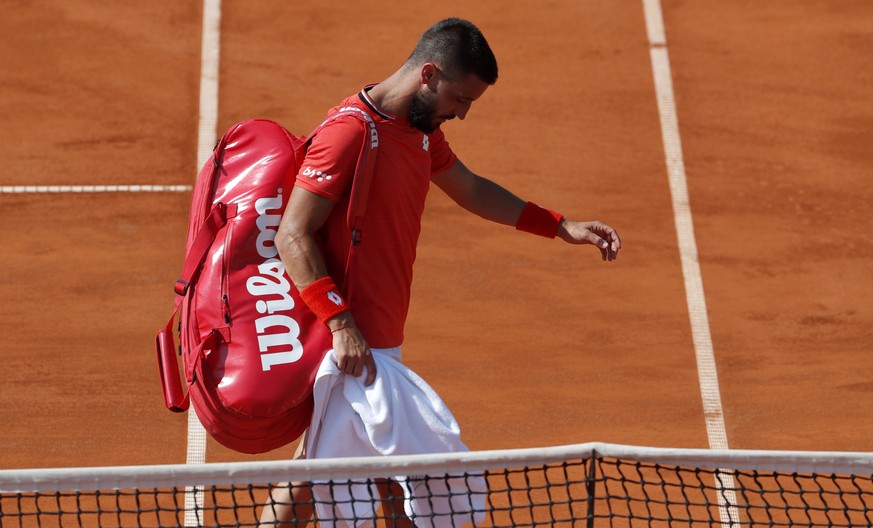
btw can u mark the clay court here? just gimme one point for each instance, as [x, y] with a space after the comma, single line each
[531, 342]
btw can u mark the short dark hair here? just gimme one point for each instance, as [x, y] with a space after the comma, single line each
[459, 48]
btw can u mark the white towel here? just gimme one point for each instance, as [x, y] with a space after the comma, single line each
[399, 414]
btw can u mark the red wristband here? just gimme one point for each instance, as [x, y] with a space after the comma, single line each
[323, 298]
[539, 220]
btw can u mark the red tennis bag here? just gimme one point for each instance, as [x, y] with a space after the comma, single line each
[250, 346]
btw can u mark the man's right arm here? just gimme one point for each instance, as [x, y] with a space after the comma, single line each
[305, 213]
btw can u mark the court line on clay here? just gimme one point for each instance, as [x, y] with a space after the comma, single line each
[206, 137]
[694, 293]
[60, 189]
[685, 228]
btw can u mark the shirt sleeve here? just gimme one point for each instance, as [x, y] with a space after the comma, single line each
[441, 155]
[329, 165]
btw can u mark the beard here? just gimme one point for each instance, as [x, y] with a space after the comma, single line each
[421, 113]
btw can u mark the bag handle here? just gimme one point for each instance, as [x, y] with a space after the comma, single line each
[168, 366]
[164, 343]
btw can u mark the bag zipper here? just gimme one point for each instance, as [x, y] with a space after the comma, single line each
[225, 267]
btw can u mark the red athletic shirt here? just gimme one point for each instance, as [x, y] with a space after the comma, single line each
[406, 159]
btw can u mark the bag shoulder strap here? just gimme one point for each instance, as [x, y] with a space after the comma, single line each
[364, 169]
[361, 183]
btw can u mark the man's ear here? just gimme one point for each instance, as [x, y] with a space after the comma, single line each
[429, 74]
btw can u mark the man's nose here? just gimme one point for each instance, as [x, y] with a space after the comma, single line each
[461, 112]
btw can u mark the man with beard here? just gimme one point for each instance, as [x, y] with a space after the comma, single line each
[450, 68]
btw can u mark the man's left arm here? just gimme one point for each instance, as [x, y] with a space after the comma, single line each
[489, 200]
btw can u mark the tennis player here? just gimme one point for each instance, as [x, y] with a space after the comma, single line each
[450, 69]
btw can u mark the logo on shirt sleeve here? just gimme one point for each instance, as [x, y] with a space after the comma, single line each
[425, 143]
[317, 175]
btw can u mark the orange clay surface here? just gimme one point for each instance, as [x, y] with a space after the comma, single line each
[530, 341]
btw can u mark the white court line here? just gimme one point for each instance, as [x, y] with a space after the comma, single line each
[700, 332]
[206, 137]
[37, 189]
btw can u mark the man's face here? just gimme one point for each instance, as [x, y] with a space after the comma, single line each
[439, 101]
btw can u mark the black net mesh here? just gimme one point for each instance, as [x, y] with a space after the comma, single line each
[591, 492]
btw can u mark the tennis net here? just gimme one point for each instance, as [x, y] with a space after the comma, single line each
[591, 485]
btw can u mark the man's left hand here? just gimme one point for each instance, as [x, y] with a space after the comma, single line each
[595, 233]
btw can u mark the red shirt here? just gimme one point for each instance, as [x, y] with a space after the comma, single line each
[406, 159]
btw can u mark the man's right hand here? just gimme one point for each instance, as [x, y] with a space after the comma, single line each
[353, 354]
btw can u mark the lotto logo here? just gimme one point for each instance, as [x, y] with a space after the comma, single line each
[316, 175]
[335, 298]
